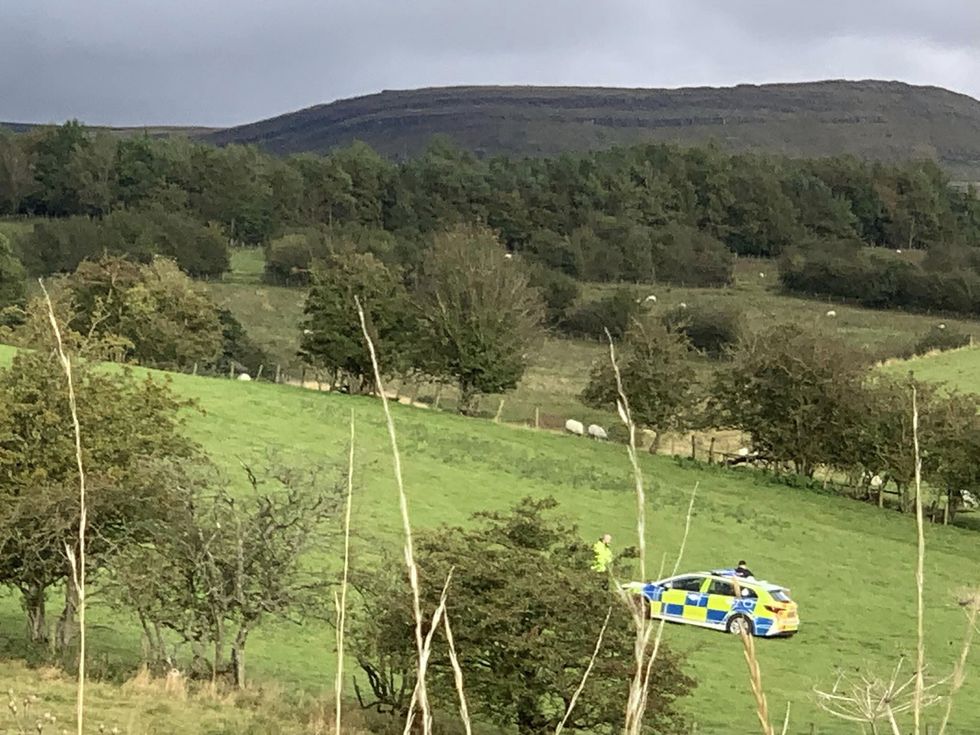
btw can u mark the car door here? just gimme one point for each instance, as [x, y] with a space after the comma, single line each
[684, 599]
[720, 601]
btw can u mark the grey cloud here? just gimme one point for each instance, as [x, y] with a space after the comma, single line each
[228, 61]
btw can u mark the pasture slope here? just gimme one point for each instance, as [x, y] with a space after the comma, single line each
[850, 566]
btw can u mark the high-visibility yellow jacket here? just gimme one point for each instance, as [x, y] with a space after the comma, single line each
[603, 556]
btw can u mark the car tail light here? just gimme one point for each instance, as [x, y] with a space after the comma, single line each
[775, 610]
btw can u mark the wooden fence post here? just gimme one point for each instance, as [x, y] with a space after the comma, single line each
[500, 410]
[711, 451]
[258, 375]
[278, 372]
[195, 369]
[302, 378]
[694, 446]
[231, 372]
[435, 402]
[537, 417]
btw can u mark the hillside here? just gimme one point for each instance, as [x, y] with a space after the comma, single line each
[874, 119]
[156, 131]
[858, 611]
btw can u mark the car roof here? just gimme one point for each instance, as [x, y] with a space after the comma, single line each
[727, 574]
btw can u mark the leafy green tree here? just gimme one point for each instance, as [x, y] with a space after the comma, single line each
[53, 148]
[94, 174]
[332, 337]
[479, 315]
[135, 455]
[795, 391]
[12, 276]
[657, 379]
[523, 650]
[558, 290]
[223, 564]
[686, 256]
[17, 181]
[152, 314]
[711, 329]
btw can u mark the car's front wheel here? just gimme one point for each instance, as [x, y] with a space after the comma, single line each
[739, 624]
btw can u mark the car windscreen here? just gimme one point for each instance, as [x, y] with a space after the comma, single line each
[780, 595]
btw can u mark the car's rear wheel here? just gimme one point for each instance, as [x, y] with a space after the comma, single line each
[739, 624]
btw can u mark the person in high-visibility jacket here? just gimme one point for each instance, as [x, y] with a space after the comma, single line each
[603, 554]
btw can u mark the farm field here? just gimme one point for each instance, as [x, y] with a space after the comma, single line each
[559, 368]
[850, 566]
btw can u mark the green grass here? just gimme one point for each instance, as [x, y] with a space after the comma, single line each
[850, 565]
[960, 369]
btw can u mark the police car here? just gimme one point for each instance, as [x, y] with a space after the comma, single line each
[721, 600]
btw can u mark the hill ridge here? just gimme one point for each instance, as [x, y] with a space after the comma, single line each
[886, 120]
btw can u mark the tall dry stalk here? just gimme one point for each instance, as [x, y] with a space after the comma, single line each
[972, 604]
[755, 680]
[413, 571]
[644, 651]
[77, 561]
[920, 661]
[423, 666]
[585, 677]
[342, 601]
[464, 710]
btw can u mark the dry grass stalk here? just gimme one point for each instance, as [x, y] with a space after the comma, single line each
[785, 721]
[464, 710]
[971, 601]
[342, 601]
[77, 561]
[755, 679]
[424, 663]
[413, 571]
[920, 661]
[643, 652]
[585, 677]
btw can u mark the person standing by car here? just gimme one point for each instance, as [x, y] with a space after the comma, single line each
[603, 555]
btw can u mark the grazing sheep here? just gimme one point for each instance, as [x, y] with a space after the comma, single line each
[597, 432]
[877, 482]
[743, 452]
[831, 313]
[651, 297]
[899, 252]
[508, 255]
[682, 305]
[245, 377]
[575, 427]
[942, 326]
[761, 274]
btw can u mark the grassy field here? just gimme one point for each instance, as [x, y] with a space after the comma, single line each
[960, 369]
[559, 368]
[849, 565]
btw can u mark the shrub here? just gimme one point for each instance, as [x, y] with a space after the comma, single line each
[711, 330]
[12, 287]
[941, 338]
[558, 291]
[615, 312]
[688, 257]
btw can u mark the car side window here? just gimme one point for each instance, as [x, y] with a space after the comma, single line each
[747, 593]
[721, 587]
[688, 584]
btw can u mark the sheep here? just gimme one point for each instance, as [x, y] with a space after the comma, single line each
[244, 377]
[831, 313]
[597, 432]
[743, 452]
[761, 274]
[877, 482]
[575, 427]
[942, 326]
[651, 297]
[508, 255]
[682, 305]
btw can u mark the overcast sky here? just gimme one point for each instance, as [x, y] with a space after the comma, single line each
[223, 62]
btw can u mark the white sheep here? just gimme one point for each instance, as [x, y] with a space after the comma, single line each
[508, 255]
[575, 427]
[942, 326]
[743, 452]
[831, 313]
[597, 432]
[682, 305]
[244, 377]
[651, 297]
[877, 482]
[761, 274]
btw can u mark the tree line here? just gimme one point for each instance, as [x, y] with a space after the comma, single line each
[640, 213]
[808, 402]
